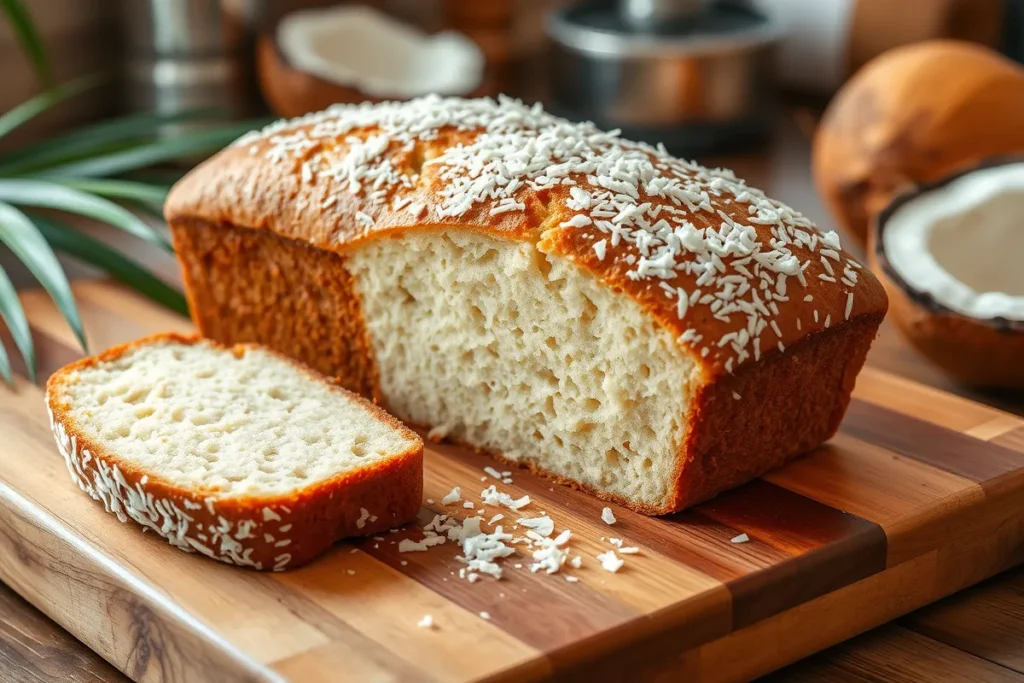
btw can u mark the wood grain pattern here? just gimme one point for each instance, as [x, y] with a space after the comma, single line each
[896, 655]
[986, 623]
[904, 506]
[35, 652]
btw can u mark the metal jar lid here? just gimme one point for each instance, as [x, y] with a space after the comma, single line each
[644, 28]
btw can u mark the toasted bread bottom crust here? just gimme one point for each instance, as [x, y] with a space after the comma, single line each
[264, 533]
[788, 403]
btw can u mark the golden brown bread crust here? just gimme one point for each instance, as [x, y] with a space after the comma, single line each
[268, 533]
[264, 183]
[788, 404]
[793, 382]
[245, 286]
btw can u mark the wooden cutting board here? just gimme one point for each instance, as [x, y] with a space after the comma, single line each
[920, 494]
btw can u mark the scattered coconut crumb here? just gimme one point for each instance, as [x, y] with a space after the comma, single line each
[610, 561]
[438, 433]
[468, 505]
[571, 579]
[491, 472]
[350, 572]
[742, 538]
[454, 496]
[491, 496]
[496, 518]
[480, 550]
[736, 396]
[485, 615]
[430, 501]
[408, 545]
[551, 555]
[364, 515]
[405, 562]
[576, 562]
[630, 550]
[607, 516]
[544, 526]
[617, 542]
[426, 622]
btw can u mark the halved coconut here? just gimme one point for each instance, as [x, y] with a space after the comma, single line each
[951, 257]
[317, 57]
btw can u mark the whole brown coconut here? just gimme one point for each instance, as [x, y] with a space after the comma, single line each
[915, 114]
[982, 245]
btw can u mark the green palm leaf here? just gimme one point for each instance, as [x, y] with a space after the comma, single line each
[115, 188]
[25, 30]
[31, 108]
[51, 195]
[105, 137]
[78, 245]
[28, 244]
[5, 367]
[200, 142]
[13, 315]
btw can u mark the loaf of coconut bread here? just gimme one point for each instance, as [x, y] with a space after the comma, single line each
[619, 320]
[232, 452]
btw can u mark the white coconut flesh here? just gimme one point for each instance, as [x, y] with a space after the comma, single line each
[962, 243]
[361, 48]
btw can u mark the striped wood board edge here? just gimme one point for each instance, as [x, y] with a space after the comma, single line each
[919, 495]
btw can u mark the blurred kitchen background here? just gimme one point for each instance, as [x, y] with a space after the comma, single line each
[188, 53]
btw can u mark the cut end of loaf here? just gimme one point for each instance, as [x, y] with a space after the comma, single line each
[235, 453]
[528, 356]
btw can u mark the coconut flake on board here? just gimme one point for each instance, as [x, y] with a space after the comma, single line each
[607, 516]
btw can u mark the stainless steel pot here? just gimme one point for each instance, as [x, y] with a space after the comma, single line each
[695, 75]
[190, 54]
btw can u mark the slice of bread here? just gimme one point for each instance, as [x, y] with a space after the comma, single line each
[233, 452]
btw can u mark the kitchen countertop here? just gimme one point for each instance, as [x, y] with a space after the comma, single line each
[975, 635]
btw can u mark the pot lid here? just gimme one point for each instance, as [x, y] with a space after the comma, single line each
[661, 27]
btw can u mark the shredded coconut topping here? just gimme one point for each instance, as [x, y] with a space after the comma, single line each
[655, 218]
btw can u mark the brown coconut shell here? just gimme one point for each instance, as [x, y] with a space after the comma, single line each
[291, 92]
[914, 115]
[987, 353]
